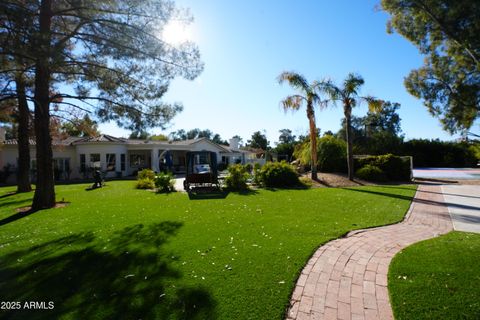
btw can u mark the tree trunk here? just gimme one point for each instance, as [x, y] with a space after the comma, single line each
[348, 131]
[45, 188]
[313, 140]
[23, 176]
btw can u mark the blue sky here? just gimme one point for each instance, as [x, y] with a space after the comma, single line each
[246, 44]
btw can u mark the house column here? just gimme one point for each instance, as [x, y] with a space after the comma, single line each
[155, 160]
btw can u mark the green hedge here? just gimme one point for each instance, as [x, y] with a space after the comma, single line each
[436, 153]
[278, 175]
[371, 173]
[395, 168]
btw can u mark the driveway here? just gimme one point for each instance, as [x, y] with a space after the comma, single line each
[463, 202]
[447, 173]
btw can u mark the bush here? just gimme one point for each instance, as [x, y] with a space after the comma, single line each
[436, 153]
[331, 154]
[371, 173]
[237, 178]
[249, 167]
[146, 174]
[256, 173]
[145, 184]
[278, 175]
[394, 168]
[164, 182]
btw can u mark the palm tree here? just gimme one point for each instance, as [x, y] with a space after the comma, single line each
[348, 95]
[308, 93]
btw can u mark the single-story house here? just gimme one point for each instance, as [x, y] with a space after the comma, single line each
[75, 157]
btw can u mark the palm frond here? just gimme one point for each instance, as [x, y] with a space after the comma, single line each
[374, 105]
[352, 83]
[294, 79]
[331, 90]
[293, 102]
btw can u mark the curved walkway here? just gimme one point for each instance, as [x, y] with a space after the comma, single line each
[347, 278]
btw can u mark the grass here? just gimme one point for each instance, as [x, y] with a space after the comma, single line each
[437, 279]
[117, 252]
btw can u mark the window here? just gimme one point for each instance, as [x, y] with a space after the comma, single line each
[95, 160]
[33, 164]
[82, 163]
[122, 162]
[111, 161]
[61, 168]
[137, 160]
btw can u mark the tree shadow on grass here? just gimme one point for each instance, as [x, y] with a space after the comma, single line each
[206, 194]
[128, 276]
[8, 194]
[416, 200]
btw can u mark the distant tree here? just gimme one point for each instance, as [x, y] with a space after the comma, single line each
[196, 133]
[81, 127]
[286, 136]
[348, 95]
[159, 137]
[218, 139]
[385, 122]
[328, 133]
[258, 141]
[447, 33]
[139, 135]
[308, 94]
[286, 144]
[178, 135]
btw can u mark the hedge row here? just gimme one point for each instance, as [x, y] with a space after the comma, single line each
[394, 168]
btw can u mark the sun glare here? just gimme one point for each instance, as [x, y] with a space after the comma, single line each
[176, 33]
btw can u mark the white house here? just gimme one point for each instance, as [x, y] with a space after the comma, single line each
[74, 157]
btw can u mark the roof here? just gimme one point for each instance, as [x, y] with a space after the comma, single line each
[104, 138]
[56, 142]
[100, 138]
[232, 150]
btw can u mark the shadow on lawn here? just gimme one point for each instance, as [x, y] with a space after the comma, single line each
[416, 200]
[207, 194]
[128, 276]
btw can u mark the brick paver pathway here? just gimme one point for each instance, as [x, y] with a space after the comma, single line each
[347, 278]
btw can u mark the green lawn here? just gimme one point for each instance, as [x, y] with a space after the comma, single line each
[437, 279]
[118, 252]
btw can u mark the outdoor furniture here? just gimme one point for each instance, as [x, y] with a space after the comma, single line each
[201, 171]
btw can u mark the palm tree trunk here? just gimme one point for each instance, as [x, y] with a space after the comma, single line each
[348, 130]
[23, 176]
[45, 191]
[313, 140]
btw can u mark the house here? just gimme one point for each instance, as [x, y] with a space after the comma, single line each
[75, 157]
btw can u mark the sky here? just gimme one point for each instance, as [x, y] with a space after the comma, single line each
[246, 44]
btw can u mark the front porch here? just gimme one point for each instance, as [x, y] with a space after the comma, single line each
[157, 160]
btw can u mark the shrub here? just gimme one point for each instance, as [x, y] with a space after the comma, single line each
[146, 174]
[394, 168]
[436, 153]
[256, 174]
[278, 175]
[371, 173]
[164, 182]
[331, 154]
[248, 167]
[237, 178]
[145, 184]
